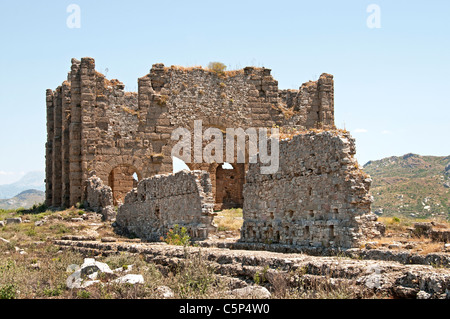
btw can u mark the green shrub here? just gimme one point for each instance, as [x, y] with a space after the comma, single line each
[177, 236]
[39, 208]
[83, 294]
[79, 205]
[8, 291]
[53, 292]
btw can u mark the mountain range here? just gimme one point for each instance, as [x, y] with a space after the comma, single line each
[411, 185]
[31, 180]
[25, 199]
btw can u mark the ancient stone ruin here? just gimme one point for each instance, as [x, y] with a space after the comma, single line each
[94, 126]
[160, 202]
[319, 197]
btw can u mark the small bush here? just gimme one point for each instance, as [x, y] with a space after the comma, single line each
[80, 205]
[217, 67]
[39, 208]
[177, 236]
[53, 292]
[8, 291]
[83, 294]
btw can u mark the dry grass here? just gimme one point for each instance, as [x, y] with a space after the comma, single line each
[162, 100]
[224, 74]
[229, 220]
[130, 111]
[398, 231]
[40, 271]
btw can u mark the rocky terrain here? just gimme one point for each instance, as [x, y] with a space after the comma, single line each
[75, 254]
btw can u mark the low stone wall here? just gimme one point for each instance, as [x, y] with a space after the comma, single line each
[318, 198]
[163, 201]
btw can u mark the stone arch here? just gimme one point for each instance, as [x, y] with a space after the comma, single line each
[121, 179]
[117, 172]
[103, 168]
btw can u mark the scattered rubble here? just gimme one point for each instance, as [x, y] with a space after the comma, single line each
[164, 292]
[377, 275]
[88, 273]
[16, 220]
[251, 292]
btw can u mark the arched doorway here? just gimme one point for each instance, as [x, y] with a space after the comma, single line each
[122, 179]
[229, 186]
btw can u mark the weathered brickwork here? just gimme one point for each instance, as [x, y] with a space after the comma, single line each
[95, 127]
[163, 201]
[319, 197]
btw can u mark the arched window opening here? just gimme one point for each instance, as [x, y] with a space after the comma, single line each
[122, 179]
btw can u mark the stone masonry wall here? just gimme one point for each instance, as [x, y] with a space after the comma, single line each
[99, 198]
[94, 126]
[318, 198]
[160, 202]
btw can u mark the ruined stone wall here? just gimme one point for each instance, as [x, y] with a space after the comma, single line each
[98, 195]
[313, 103]
[160, 202]
[99, 198]
[94, 126]
[319, 197]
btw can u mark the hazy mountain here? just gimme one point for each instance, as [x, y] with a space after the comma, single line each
[25, 199]
[413, 185]
[31, 180]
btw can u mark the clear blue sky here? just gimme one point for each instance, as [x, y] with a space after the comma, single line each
[392, 83]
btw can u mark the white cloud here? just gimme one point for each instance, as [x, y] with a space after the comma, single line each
[385, 132]
[360, 130]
